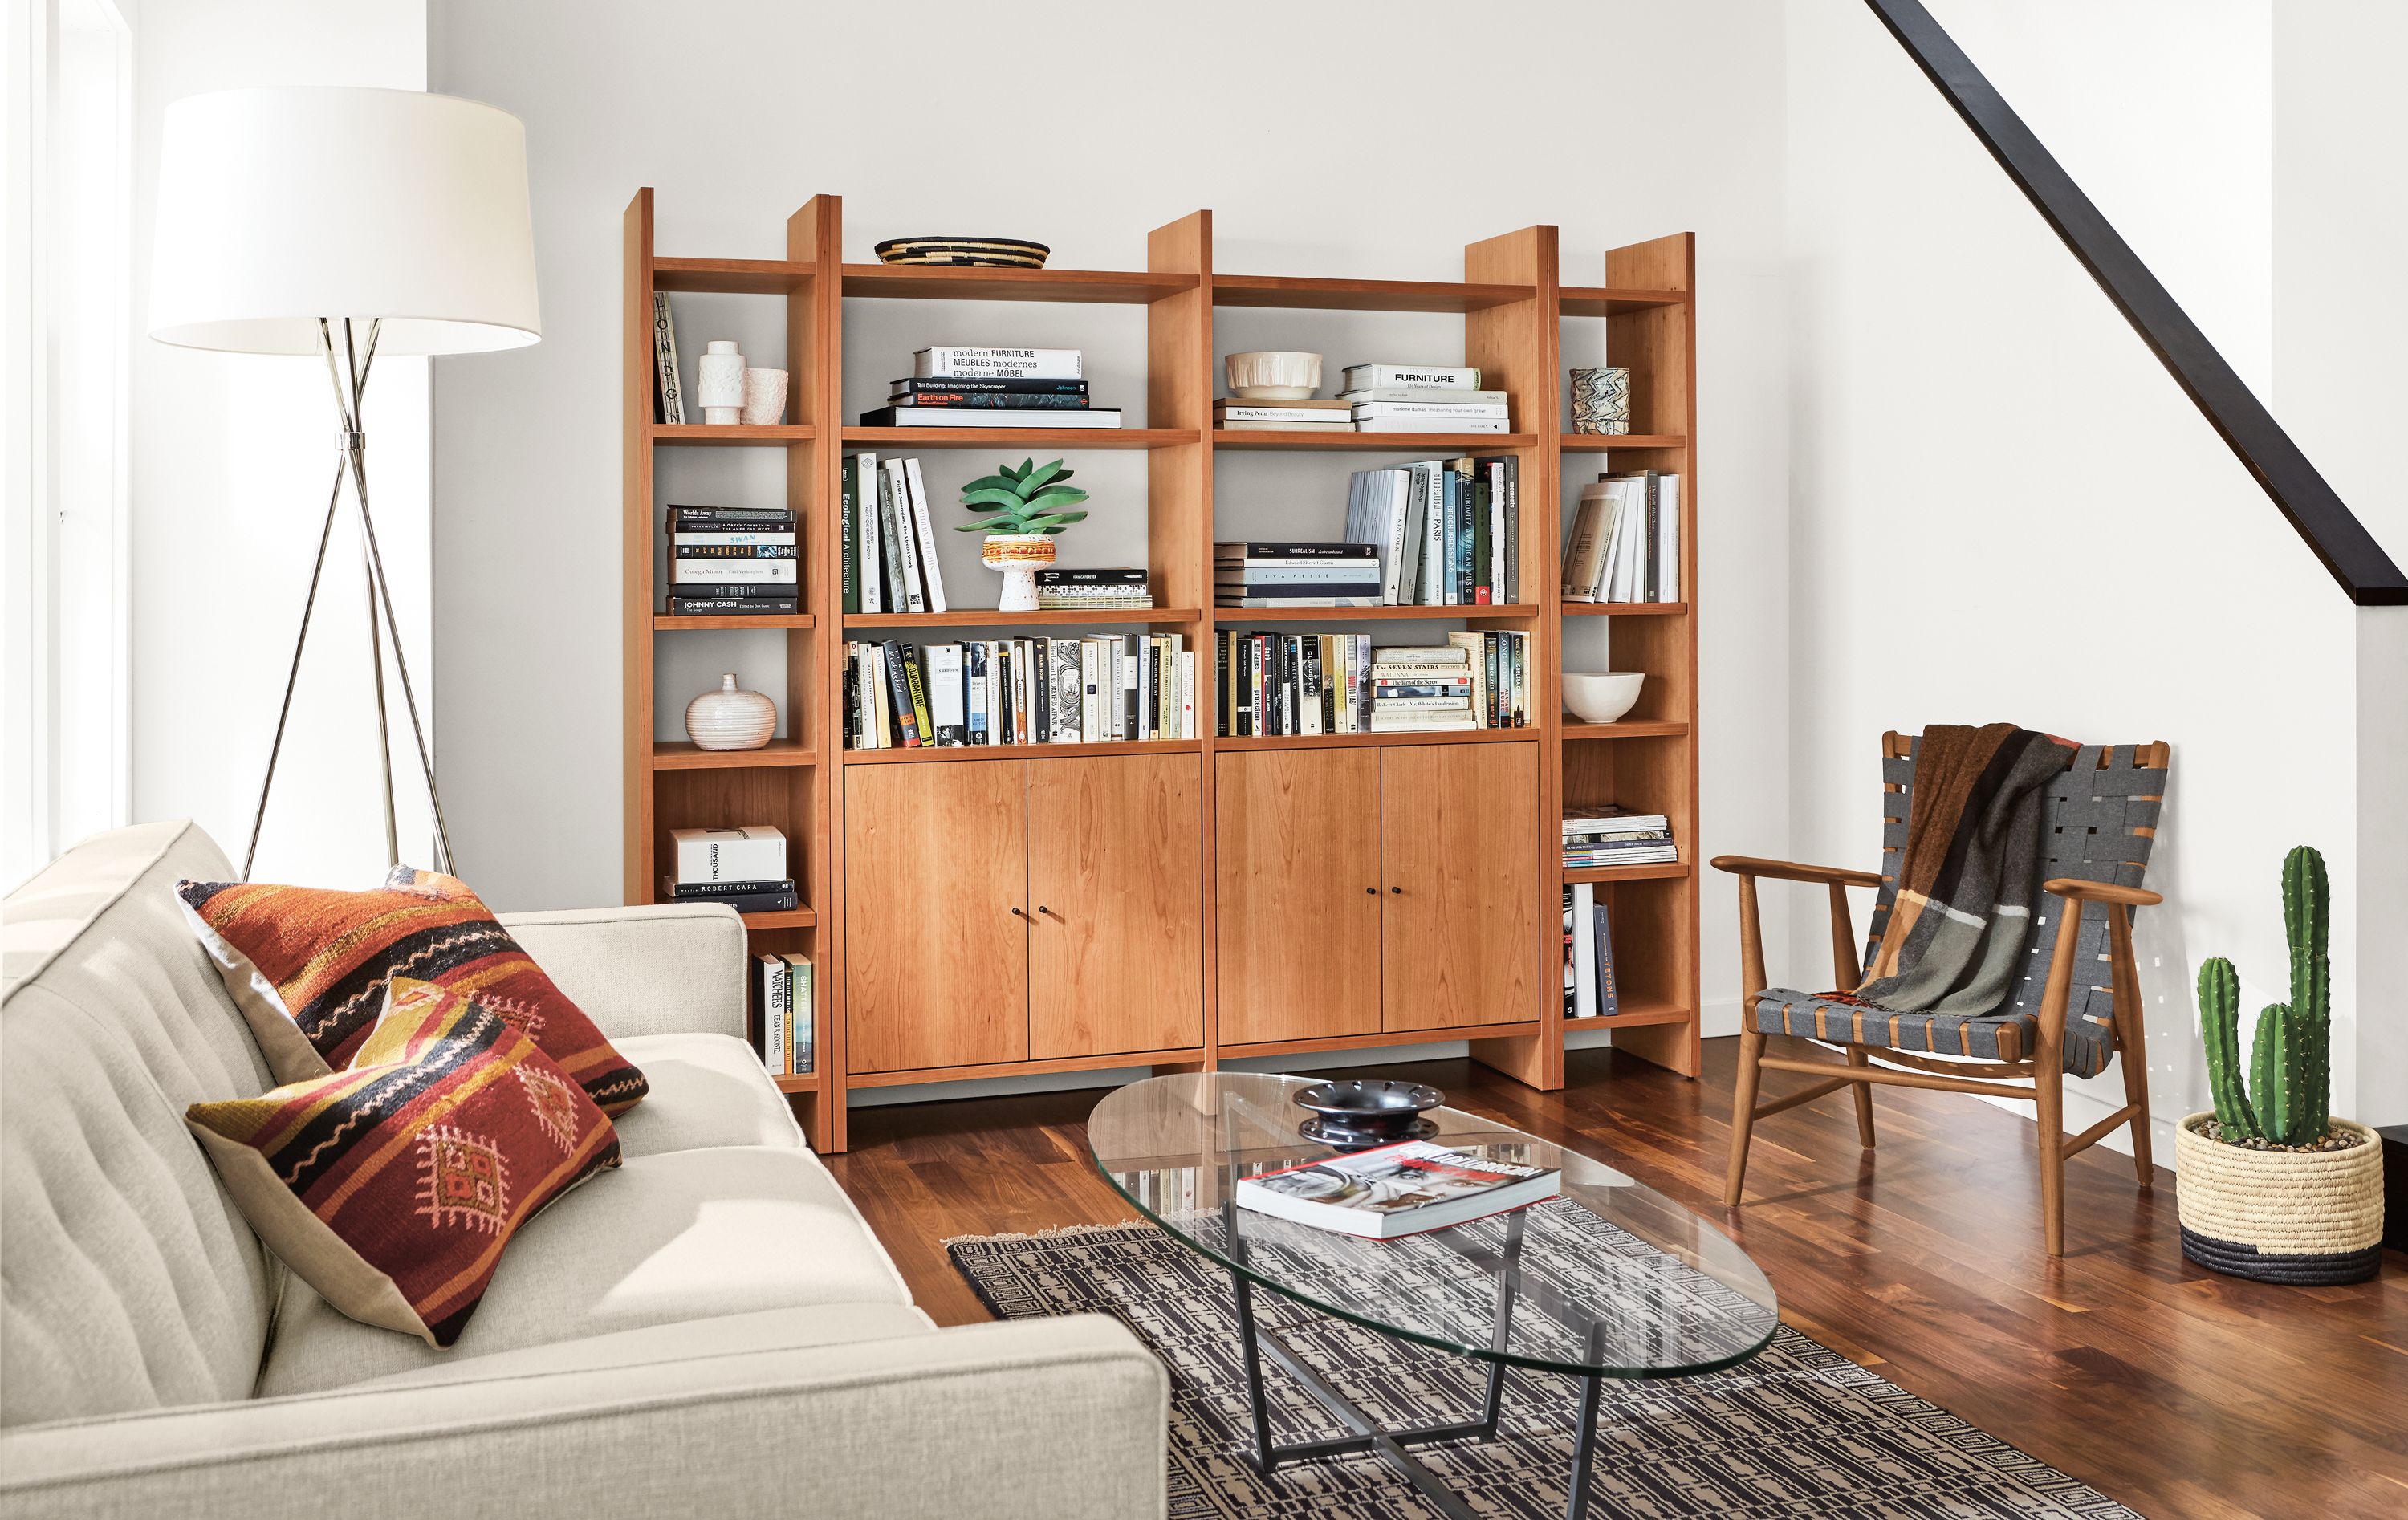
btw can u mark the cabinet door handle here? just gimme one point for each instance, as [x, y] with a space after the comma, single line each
[1017, 913]
[1374, 891]
[1397, 890]
[1043, 908]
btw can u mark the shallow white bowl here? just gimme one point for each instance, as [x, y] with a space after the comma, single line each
[1602, 696]
[1273, 375]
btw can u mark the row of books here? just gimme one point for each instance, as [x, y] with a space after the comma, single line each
[1449, 532]
[782, 1027]
[993, 388]
[1274, 683]
[1589, 991]
[1380, 399]
[1614, 835]
[737, 560]
[1100, 689]
[886, 538]
[1625, 540]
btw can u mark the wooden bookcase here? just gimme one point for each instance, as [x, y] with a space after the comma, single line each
[1144, 890]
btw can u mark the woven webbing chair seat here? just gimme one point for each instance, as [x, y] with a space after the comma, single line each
[2004, 1037]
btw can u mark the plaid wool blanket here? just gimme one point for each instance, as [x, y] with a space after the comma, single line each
[1971, 872]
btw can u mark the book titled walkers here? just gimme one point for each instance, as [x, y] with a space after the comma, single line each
[1396, 1190]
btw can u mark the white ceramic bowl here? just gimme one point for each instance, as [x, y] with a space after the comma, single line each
[1602, 696]
[1273, 375]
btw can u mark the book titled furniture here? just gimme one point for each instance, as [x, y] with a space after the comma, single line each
[1001, 910]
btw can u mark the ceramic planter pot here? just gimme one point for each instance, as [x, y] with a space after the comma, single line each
[2281, 1216]
[730, 719]
[1018, 556]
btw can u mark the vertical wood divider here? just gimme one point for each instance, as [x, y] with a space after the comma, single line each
[815, 656]
[636, 551]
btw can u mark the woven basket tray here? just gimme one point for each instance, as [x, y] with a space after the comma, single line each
[2281, 1216]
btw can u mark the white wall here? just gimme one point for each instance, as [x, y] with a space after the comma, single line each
[231, 460]
[1616, 123]
[2001, 507]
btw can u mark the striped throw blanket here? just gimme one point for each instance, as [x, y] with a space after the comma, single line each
[1970, 871]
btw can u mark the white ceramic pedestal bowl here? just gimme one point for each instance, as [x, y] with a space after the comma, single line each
[1273, 375]
[1602, 696]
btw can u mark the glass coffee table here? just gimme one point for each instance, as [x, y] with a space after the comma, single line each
[1610, 1280]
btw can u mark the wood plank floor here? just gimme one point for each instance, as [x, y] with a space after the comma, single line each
[2175, 1390]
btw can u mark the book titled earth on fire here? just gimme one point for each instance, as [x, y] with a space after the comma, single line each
[1395, 1190]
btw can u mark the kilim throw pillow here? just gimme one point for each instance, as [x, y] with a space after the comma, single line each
[308, 969]
[392, 1187]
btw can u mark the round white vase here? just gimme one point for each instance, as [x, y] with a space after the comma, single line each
[719, 383]
[730, 719]
[1018, 556]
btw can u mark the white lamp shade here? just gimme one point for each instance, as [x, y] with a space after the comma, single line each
[278, 207]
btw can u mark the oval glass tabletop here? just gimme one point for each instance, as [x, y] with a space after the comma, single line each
[1609, 1279]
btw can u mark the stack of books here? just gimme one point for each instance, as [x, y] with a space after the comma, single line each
[1264, 575]
[993, 388]
[1277, 684]
[1407, 1188]
[782, 1022]
[1449, 531]
[887, 540]
[1237, 415]
[1625, 540]
[733, 561]
[743, 867]
[1092, 590]
[1100, 689]
[1590, 991]
[1423, 398]
[1614, 835]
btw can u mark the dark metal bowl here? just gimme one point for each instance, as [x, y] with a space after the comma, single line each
[1361, 1113]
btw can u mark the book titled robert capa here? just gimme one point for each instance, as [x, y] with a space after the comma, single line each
[1403, 1189]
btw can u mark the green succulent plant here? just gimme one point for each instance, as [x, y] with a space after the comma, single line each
[1030, 499]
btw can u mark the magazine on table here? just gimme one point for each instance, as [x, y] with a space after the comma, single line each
[1402, 1189]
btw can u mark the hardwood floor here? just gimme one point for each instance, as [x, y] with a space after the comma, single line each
[2172, 1389]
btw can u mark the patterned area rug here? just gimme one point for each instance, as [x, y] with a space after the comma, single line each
[1797, 1431]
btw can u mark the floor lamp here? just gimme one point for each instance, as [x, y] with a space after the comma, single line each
[337, 224]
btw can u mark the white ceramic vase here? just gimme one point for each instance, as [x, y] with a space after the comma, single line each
[1018, 556]
[730, 719]
[764, 397]
[719, 383]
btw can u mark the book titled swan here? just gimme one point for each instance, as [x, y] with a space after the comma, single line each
[1402, 1189]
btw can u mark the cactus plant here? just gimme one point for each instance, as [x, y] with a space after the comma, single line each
[1030, 499]
[2289, 1094]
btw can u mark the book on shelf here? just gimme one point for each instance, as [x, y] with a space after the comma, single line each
[770, 897]
[1282, 574]
[1411, 377]
[998, 364]
[1612, 835]
[738, 853]
[668, 393]
[703, 570]
[782, 1023]
[1396, 1190]
[1625, 540]
[1431, 412]
[1448, 532]
[771, 596]
[1096, 688]
[700, 546]
[964, 389]
[1290, 416]
[727, 606]
[997, 417]
[683, 518]
[1589, 988]
[1424, 394]
[889, 554]
[1081, 589]
[1424, 424]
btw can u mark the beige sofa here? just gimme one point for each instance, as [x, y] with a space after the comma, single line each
[710, 1329]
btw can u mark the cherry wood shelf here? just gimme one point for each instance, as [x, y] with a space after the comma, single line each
[1364, 294]
[923, 282]
[731, 277]
[988, 617]
[684, 754]
[668, 623]
[891, 440]
[1379, 443]
[1228, 799]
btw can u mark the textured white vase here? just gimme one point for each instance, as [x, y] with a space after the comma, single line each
[719, 383]
[730, 719]
[764, 397]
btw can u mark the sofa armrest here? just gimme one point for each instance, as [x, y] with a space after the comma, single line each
[1057, 1419]
[665, 969]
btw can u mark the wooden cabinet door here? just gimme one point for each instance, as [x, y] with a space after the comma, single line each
[1116, 898]
[1459, 840]
[935, 957]
[1298, 894]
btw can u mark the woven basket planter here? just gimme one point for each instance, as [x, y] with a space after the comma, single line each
[2281, 1216]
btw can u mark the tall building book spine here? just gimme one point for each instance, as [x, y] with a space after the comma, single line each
[671, 398]
[912, 388]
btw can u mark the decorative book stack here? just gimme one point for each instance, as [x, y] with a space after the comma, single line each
[1268, 574]
[1237, 415]
[1423, 398]
[732, 560]
[1612, 835]
[1092, 590]
[1448, 531]
[743, 867]
[993, 388]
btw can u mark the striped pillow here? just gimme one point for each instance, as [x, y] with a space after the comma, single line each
[308, 969]
[392, 1187]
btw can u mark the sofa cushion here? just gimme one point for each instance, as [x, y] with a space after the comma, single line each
[318, 960]
[707, 1090]
[688, 1235]
[128, 1280]
[393, 1188]
[729, 1335]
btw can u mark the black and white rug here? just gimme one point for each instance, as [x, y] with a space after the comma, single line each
[1800, 1431]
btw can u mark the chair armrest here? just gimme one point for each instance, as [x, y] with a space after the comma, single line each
[1787, 871]
[1015, 1421]
[2082, 891]
[665, 969]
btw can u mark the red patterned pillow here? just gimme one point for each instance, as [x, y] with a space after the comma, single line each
[392, 1187]
[308, 969]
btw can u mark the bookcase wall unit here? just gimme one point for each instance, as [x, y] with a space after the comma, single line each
[998, 911]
